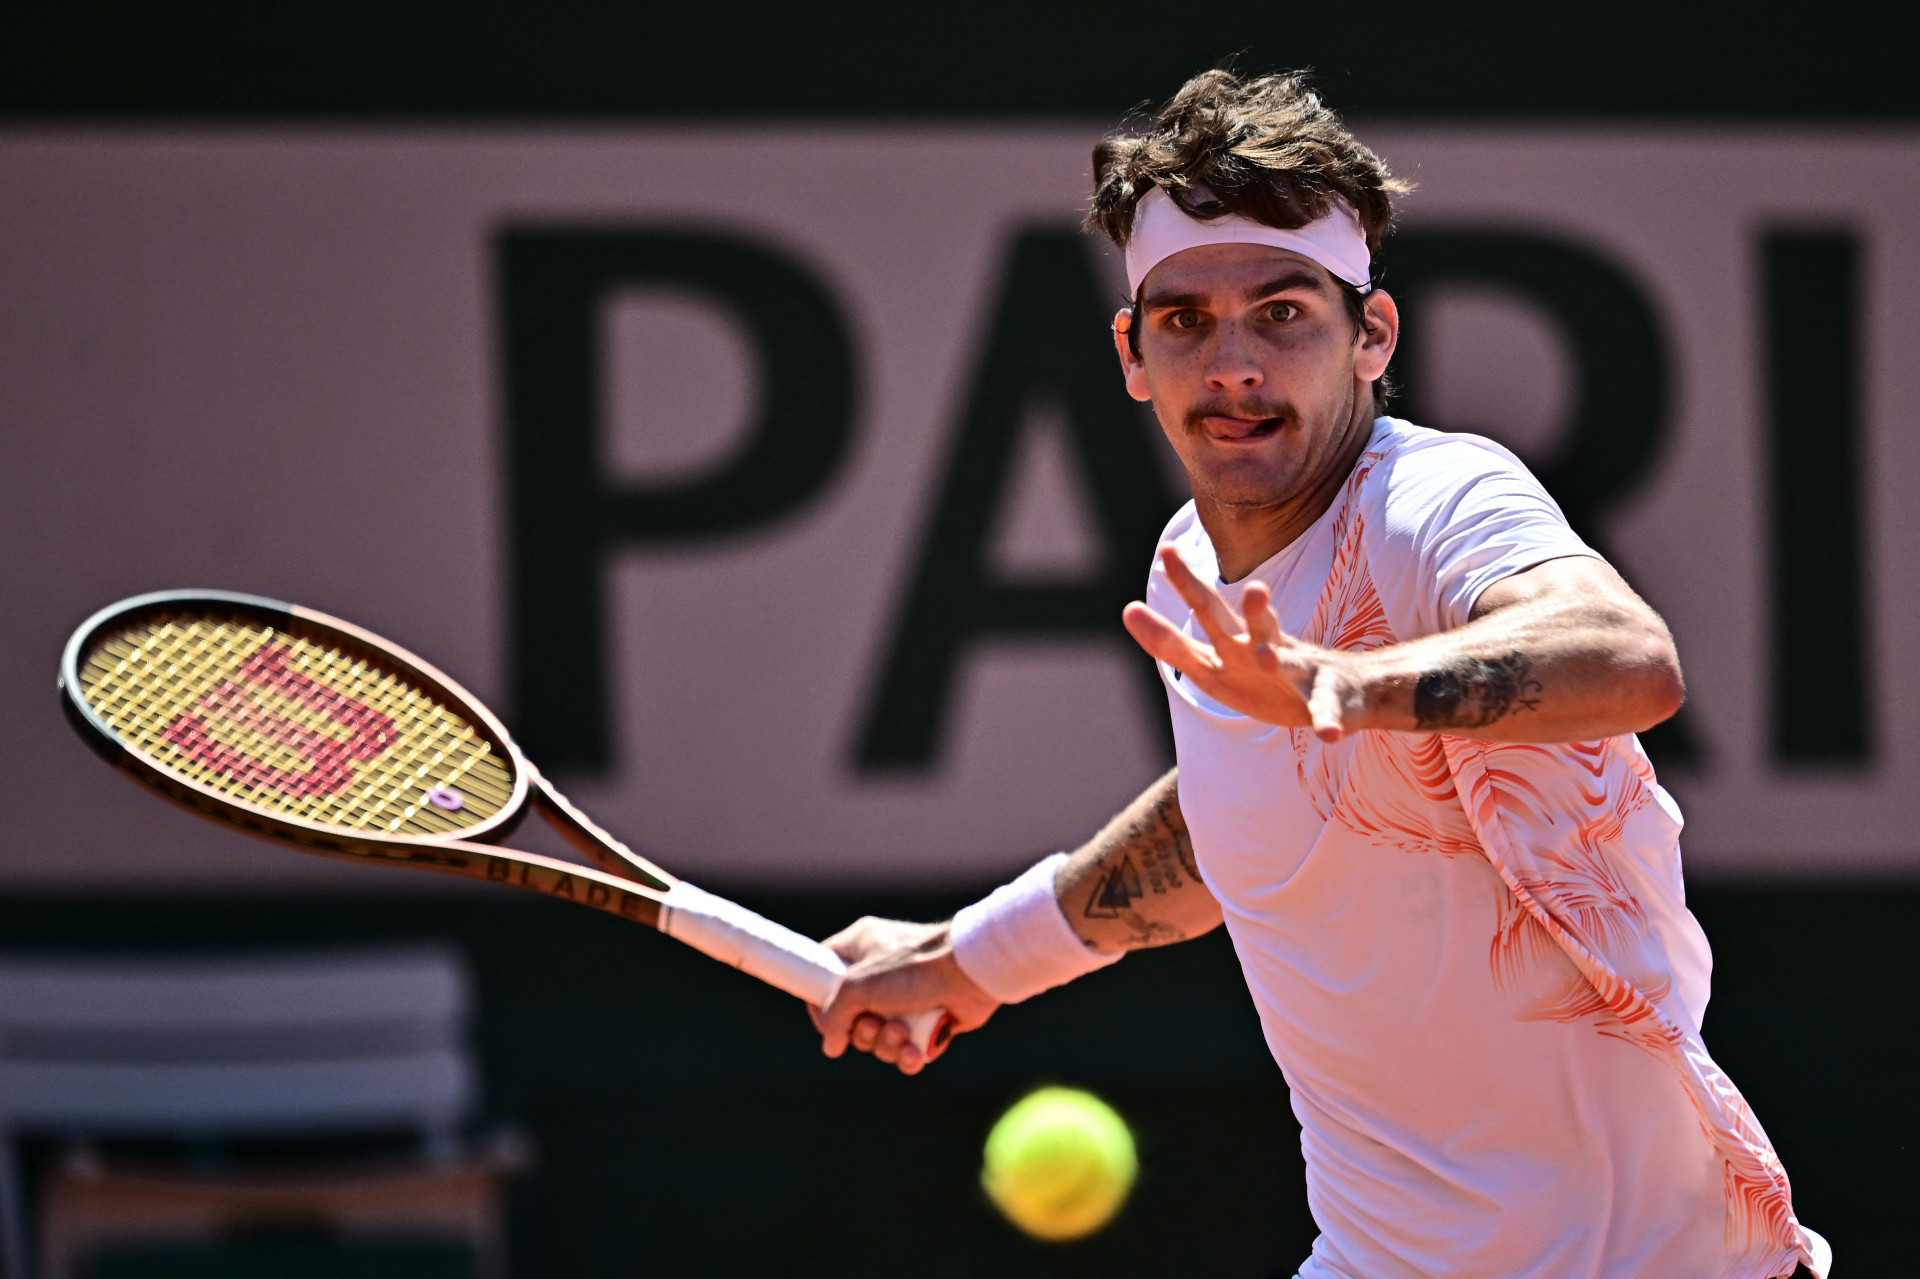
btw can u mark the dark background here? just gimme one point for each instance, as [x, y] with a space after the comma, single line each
[596, 59]
[685, 1122]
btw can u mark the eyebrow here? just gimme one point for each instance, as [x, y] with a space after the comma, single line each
[1299, 277]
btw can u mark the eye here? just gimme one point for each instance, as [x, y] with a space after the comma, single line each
[1184, 319]
[1281, 312]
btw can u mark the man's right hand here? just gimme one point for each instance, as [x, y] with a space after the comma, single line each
[896, 969]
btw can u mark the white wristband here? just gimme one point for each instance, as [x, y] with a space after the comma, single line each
[1016, 942]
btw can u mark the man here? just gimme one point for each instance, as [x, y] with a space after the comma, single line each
[1404, 695]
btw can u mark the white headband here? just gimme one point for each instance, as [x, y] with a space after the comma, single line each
[1161, 228]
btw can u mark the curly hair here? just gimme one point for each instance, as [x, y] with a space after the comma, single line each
[1267, 149]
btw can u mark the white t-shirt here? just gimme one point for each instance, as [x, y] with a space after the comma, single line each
[1472, 960]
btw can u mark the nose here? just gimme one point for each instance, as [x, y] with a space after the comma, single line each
[1233, 368]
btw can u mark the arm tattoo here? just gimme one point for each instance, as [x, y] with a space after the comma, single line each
[1158, 838]
[1473, 692]
[1119, 885]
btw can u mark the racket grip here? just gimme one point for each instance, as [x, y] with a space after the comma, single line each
[930, 1031]
[799, 965]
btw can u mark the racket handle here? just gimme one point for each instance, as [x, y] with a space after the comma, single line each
[930, 1031]
[801, 966]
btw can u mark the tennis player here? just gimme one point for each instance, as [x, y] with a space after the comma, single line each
[1404, 698]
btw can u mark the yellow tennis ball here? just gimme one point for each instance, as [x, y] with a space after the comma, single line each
[1059, 1163]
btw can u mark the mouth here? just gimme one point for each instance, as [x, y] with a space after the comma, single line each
[1235, 430]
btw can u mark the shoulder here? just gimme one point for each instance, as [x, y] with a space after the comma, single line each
[1443, 516]
[1412, 456]
[1418, 476]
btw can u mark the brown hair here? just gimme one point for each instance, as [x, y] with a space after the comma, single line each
[1267, 149]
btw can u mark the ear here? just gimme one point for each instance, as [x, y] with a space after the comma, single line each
[1131, 367]
[1378, 337]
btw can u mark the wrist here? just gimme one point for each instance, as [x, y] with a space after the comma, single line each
[1016, 941]
[1382, 692]
[953, 978]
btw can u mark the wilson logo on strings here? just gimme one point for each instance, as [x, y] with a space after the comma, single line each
[231, 701]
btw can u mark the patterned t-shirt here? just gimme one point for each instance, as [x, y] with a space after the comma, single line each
[1473, 960]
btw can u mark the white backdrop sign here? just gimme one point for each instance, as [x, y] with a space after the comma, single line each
[777, 485]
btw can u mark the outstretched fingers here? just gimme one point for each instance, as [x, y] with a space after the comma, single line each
[1263, 626]
[1165, 641]
[1216, 618]
[1251, 663]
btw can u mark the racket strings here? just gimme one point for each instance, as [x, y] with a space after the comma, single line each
[300, 727]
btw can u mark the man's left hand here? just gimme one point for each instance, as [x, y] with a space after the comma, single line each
[1249, 663]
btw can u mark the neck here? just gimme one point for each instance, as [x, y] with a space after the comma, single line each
[1244, 537]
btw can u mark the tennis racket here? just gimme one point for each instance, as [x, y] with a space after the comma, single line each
[309, 731]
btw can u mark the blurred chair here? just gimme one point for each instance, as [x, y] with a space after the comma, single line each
[327, 1045]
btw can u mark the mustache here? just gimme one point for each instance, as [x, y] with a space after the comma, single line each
[1257, 409]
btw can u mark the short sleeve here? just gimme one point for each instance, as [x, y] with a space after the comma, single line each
[1455, 513]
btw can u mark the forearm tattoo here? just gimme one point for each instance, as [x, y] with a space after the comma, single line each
[1149, 854]
[1473, 692]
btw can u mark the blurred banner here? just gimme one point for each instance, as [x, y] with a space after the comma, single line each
[778, 486]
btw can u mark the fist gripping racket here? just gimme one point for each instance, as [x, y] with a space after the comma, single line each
[304, 729]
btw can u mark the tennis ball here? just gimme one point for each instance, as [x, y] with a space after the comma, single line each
[1059, 1164]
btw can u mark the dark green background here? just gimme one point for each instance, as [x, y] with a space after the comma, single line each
[989, 57]
[685, 1122]
[687, 1125]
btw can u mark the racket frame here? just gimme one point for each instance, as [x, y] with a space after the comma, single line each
[466, 854]
[626, 884]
